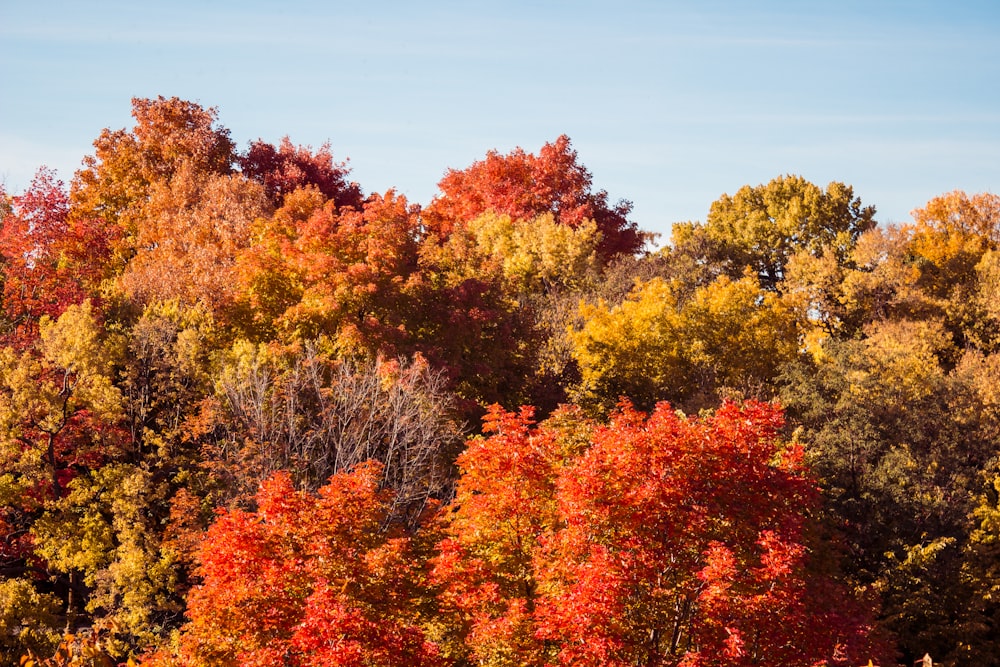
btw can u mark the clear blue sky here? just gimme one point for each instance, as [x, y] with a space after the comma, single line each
[668, 104]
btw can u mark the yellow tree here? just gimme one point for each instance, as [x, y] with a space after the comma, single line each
[653, 346]
[59, 414]
[951, 235]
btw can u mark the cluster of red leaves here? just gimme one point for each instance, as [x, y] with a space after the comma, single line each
[524, 186]
[307, 580]
[667, 541]
[656, 540]
[49, 260]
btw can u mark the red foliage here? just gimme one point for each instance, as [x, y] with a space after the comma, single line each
[668, 541]
[286, 168]
[49, 262]
[525, 186]
[307, 580]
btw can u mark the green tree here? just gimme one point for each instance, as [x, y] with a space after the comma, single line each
[761, 227]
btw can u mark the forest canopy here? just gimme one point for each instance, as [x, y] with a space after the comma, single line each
[252, 414]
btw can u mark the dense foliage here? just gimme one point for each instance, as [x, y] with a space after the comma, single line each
[253, 415]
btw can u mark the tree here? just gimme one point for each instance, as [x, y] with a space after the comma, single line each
[164, 376]
[658, 540]
[761, 227]
[314, 417]
[104, 533]
[56, 403]
[504, 504]
[533, 257]
[357, 270]
[59, 420]
[951, 235]
[980, 574]
[685, 541]
[49, 261]
[365, 280]
[284, 169]
[116, 181]
[636, 349]
[28, 620]
[901, 430]
[654, 346]
[194, 228]
[308, 579]
[524, 186]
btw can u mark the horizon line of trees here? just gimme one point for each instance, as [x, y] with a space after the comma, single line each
[253, 415]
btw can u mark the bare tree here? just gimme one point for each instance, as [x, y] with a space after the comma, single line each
[316, 417]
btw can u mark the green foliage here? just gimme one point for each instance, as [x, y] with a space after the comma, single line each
[761, 227]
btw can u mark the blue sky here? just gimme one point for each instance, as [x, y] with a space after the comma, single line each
[668, 104]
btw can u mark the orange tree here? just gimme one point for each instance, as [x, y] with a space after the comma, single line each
[659, 539]
[307, 579]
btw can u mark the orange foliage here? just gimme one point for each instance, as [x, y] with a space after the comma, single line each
[525, 186]
[668, 541]
[306, 580]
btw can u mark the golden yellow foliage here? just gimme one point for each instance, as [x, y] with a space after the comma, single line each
[730, 334]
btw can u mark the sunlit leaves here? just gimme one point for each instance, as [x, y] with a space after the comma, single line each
[28, 620]
[307, 579]
[49, 261]
[286, 168]
[525, 186]
[194, 228]
[654, 346]
[761, 227]
[663, 540]
[116, 181]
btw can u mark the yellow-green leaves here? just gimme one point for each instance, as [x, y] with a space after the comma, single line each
[100, 530]
[762, 227]
[654, 346]
[28, 620]
[52, 404]
[540, 253]
[73, 347]
[634, 349]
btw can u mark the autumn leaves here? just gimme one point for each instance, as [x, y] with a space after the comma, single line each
[649, 540]
[250, 414]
